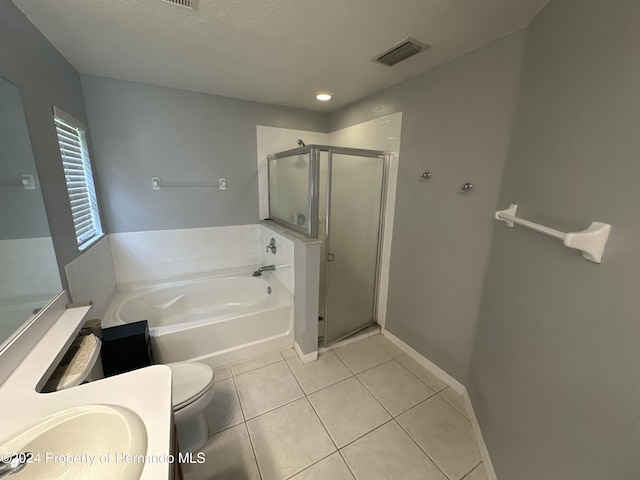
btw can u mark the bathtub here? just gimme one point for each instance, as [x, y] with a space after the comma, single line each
[216, 320]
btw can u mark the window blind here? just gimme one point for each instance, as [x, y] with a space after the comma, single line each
[79, 179]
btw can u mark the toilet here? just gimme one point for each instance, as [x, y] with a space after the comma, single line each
[192, 390]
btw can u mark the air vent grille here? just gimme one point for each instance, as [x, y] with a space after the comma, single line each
[401, 51]
[191, 4]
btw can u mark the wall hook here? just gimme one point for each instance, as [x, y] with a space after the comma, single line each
[425, 176]
[464, 188]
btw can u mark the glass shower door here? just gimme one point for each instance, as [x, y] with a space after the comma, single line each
[353, 227]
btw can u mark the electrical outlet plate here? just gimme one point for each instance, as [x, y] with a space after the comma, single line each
[222, 183]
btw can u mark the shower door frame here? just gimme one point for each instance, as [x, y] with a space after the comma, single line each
[383, 202]
[314, 204]
[312, 210]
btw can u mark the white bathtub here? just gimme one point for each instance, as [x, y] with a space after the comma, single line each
[212, 319]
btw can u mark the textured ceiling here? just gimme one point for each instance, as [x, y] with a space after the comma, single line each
[274, 51]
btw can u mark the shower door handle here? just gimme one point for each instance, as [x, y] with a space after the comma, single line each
[330, 257]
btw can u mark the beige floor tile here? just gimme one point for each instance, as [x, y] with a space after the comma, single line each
[362, 355]
[386, 345]
[395, 387]
[422, 373]
[261, 361]
[478, 473]
[266, 388]
[291, 352]
[228, 456]
[388, 453]
[455, 399]
[331, 468]
[445, 434]
[224, 410]
[288, 440]
[348, 410]
[221, 374]
[325, 371]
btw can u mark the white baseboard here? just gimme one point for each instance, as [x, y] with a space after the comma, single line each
[305, 357]
[426, 363]
[484, 452]
[454, 385]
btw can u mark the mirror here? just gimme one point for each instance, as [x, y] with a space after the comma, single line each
[29, 275]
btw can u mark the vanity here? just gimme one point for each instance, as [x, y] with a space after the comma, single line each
[117, 427]
[123, 423]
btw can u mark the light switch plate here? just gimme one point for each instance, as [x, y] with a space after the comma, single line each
[222, 183]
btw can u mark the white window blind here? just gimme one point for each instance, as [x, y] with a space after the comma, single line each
[79, 179]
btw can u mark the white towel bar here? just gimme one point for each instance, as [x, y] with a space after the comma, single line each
[590, 241]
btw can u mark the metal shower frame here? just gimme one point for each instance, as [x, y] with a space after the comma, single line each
[314, 204]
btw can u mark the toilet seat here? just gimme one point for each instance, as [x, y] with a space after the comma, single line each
[191, 381]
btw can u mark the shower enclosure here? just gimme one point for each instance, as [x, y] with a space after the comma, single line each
[336, 195]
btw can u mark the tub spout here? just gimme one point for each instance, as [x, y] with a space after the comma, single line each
[268, 268]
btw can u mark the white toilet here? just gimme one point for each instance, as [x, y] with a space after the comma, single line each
[192, 390]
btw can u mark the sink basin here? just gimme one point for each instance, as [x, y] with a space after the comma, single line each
[87, 442]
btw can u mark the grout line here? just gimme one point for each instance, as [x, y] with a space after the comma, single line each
[423, 450]
[253, 449]
[347, 463]
[454, 407]
[313, 408]
[256, 368]
[309, 466]
[407, 369]
[466, 475]
[275, 408]
[374, 397]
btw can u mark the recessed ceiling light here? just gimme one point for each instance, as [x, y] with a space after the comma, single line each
[323, 97]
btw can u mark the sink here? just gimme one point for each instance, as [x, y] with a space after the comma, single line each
[86, 442]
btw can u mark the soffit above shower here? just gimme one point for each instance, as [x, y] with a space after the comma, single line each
[274, 51]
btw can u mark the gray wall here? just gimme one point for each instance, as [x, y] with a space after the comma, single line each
[456, 121]
[45, 79]
[555, 373]
[140, 131]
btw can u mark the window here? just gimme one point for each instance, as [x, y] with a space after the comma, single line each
[77, 173]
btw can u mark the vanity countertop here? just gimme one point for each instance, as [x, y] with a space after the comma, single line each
[147, 392]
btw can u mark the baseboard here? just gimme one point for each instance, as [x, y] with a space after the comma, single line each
[484, 452]
[305, 357]
[455, 385]
[426, 363]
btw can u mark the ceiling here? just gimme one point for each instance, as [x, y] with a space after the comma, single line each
[274, 51]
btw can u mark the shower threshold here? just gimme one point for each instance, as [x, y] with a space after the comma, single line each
[367, 332]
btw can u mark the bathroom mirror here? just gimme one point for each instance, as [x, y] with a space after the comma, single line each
[29, 275]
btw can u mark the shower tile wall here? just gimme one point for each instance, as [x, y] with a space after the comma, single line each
[28, 267]
[92, 278]
[283, 255]
[154, 255]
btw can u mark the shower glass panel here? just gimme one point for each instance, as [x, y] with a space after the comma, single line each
[355, 186]
[289, 184]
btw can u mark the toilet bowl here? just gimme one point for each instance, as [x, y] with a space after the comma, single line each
[192, 390]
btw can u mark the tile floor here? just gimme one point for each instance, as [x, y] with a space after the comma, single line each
[363, 411]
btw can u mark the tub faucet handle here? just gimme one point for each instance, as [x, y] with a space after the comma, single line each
[272, 246]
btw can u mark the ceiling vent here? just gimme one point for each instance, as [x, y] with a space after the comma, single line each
[401, 51]
[191, 4]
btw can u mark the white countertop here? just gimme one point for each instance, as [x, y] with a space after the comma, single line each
[147, 392]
